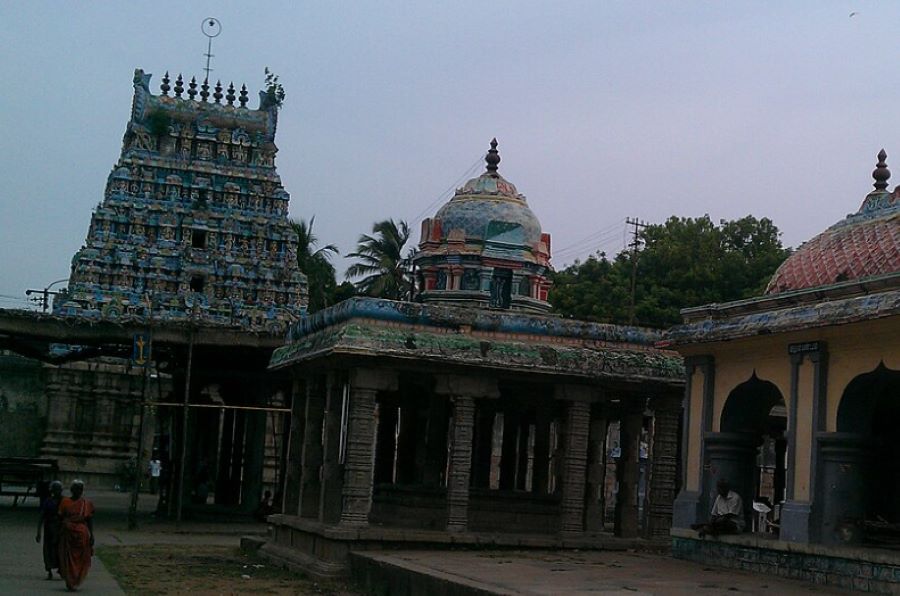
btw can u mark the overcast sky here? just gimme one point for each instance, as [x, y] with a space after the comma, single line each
[603, 110]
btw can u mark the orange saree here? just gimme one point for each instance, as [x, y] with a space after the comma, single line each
[75, 548]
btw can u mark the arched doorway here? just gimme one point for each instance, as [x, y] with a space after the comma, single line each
[750, 449]
[862, 462]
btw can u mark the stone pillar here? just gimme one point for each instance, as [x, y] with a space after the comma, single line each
[332, 470]
[594, 503]
[806, 418]
[578, 419]
[661, 493]
[291, 500]
[356, 494]
[237, 455]
[311, 456]
[845, 458]
[692, 505]
[541, 468]
[460, 464]
[461, 392]
[627, 523]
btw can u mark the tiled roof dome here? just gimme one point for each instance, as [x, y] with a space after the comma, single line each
[864, 244]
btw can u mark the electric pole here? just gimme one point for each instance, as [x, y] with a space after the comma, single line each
[634, 244]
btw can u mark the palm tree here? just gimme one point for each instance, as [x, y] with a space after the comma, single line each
[383, 268]
[315, 263]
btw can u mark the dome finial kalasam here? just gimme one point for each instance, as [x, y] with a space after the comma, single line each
[864, 244]
[493, 156]
[881, 174]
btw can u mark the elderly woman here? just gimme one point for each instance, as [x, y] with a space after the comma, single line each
[49, 522]
[76, 538]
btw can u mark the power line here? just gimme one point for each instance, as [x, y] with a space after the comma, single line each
[590, 238]
[443, 196]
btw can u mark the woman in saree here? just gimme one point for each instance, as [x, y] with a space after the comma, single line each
[49, 522]
[76, 538]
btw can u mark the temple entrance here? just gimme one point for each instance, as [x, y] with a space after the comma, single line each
[750, 449]
[862, 462]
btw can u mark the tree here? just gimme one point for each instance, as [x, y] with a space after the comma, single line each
[383, 268]
[685, 262]
[316, 264]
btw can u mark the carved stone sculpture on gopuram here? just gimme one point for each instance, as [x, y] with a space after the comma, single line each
[194, 222]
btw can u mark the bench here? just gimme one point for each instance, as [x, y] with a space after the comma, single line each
[26, 476]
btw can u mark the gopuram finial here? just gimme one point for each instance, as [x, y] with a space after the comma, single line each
[164, 86]
[243, 98]
[881, 174]
[218, 94]
[192, 88]
[204, 90]
[229, 96]
[493, 157]
[179, 86]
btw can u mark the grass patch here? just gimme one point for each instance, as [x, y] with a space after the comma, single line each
[176, 569]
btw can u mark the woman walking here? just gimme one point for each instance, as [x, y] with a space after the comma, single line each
[76, 539]
[49, 522]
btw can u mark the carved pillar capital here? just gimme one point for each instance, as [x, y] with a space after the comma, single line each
[356, 501]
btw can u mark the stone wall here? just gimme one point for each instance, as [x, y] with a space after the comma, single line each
[23, 406]
[864, 570]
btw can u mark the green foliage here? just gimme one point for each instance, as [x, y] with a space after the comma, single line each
[316, 264]
[158, 123]
[274, 91]
[21, 429]
[383, 268]
[685, 262]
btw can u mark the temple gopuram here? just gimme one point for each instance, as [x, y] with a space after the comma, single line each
[188, 271]
[473, 417]
[194, 218]
[794, 398]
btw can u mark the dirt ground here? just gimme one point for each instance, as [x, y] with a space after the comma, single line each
[167, 569]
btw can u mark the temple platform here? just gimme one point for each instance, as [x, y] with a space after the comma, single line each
[552, 573]
[322, 550]
[859, 568]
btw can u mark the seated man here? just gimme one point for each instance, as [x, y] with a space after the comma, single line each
[727, 515]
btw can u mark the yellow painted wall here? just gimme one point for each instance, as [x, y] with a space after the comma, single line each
[695, 436]
[853, 349]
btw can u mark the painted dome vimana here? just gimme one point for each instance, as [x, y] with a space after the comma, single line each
[864, 244]
[194, 218]
[485, 247]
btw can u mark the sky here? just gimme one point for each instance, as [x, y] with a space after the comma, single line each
[603, 110]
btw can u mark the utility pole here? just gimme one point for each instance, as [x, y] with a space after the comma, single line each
[634, 244]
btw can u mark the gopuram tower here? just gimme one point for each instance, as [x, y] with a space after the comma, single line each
[191, 239]
[193, 222]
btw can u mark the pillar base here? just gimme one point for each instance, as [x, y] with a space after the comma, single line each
[795, 522]
[688, 509]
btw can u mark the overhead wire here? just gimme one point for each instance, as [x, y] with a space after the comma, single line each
[444, 195]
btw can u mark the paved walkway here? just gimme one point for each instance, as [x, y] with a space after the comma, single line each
[589, 572]
[21, 563]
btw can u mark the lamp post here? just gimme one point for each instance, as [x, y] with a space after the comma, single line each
[43, 297]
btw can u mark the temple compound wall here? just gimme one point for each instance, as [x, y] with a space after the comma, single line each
[793, 398]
